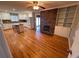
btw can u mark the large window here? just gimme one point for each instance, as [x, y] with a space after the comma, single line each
[14, 17]
[65, 16]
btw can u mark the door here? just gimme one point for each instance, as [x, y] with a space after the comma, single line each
[38, 23]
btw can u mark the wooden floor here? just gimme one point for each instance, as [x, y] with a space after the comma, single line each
[33, 44]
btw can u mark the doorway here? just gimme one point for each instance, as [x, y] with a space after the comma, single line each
[38, 23]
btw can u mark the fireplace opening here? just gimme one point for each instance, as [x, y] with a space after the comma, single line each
[47, 28]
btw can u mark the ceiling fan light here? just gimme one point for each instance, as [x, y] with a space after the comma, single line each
[35, 7]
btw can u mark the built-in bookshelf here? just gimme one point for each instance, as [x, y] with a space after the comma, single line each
[61, 16]
[65, 16]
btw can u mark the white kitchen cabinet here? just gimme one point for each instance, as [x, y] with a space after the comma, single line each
[5, 16]
[22, 16]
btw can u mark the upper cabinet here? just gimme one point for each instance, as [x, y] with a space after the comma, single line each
[23, 16]
[5, 16]
[30, 14]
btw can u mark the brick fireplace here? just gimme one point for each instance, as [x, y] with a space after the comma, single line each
[48, 20]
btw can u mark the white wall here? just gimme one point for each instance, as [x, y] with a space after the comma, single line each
[62, 31]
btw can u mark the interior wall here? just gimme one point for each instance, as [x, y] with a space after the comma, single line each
[62, 31]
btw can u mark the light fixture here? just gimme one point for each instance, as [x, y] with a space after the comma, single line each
[35, 7]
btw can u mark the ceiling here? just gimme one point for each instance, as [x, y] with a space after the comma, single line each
[23, 5]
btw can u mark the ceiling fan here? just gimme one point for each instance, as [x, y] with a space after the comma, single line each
[35, 6]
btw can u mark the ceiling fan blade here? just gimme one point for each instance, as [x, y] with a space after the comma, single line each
[42, 7]
[29, 7]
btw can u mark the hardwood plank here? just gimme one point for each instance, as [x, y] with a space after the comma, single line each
[33, 44]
